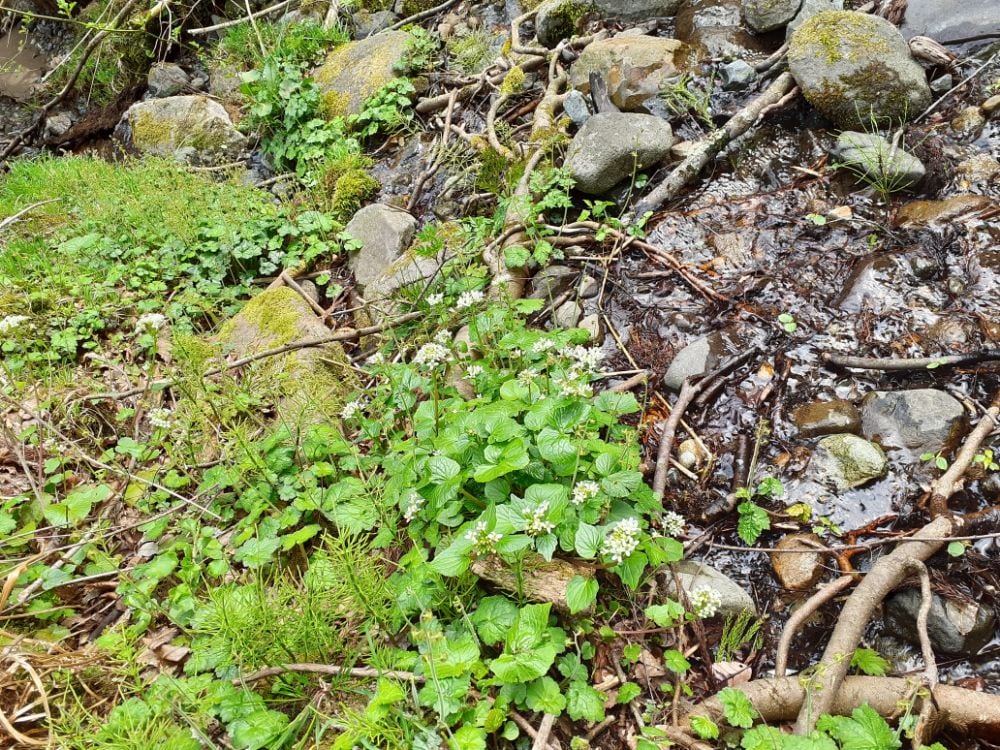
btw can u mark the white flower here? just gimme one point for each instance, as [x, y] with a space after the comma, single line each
[705, 601]
[12, 323]
[468, 299]
[622, 540]
[583, 491]
[483, 542]
[150, 322]
[160, 418]
[353, 407]
[443, 337]
[673, 523]
[527, 377]
[585, 359]
[538, 524]
[474, 371]
[435, 299]
[413, 505]
[570, 387]
[543, 345]
[431, 355]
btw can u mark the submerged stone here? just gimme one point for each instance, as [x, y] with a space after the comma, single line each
[846, 461]
[879, 161]
[826, 418]
[924, 420]
[795, 569]
[954, 627]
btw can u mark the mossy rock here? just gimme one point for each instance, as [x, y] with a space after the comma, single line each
[193, 129]
[311, 384]
[857, 70]
[561, 19]
[356, 71]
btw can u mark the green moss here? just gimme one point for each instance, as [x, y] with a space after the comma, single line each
[492, 170]
[565, 18]
[412, 7]
[350, 192]
[838, 35]
[356, 71]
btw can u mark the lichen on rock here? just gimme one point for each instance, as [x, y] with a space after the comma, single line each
[354, 72]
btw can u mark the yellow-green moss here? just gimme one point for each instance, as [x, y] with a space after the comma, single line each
[356, 71]
[412, 7]
[350, 192]
[838, 35]
[513, 82]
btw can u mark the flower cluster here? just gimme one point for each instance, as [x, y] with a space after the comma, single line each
[413, 505]
[483, 542]
[538, 524]
[353, 407]
[12, 323]
[431, 355]
[584, 359]
[673, 523]
[543, 345]
[583, 491]
[474, 371]
[161, 418]
[435, 299]
[705, 602]
[468, 299]
[150, 322]
[622, 540]
[527, 377]
[570, 386]
[443, 337]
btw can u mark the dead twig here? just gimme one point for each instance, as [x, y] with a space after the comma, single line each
[544, 730]
[891, 364]
[11, 219]
[329, 669]
[242, 19]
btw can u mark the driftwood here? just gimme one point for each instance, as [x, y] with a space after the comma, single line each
[539, 580]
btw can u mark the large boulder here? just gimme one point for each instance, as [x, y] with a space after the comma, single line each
[634, 67]
[854, 67]
[193, 129]
[924, 420]
[612, 146]
[807, 10]
[951, 21]
[354, 72]
[309, 385]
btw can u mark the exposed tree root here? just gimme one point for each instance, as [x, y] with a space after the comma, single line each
[780, 699]
[802, 614]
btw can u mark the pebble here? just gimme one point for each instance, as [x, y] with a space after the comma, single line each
[991, 105]
[736, 75]
[798, 570]
[826, 418]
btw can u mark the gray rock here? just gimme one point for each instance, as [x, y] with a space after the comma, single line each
[878, 160]
[961, 628]
[355, 71]
[702, 355]
[797, 570]
[736, 75]
[612, 146]
[589, 287]
[224, 83]
[853, 66]
[192, 129]
[634, 67]
[923, 420]
[560, 19]
[567, 315]
[949, 21]
[309, 385]
[826, 418]
[551, 281]
[808, 9]
[942, 84]
[58, 123]
[367, 23]
[694, 575]
[166, 79]
[767, 15]
[384, 233]
[637, 10]
[592, 325]
[845, 461]
[575, 106]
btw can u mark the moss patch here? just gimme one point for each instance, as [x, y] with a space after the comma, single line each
[838, 35]
[356, 71]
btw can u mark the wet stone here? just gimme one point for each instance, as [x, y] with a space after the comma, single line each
[924, 420]
[991, 105]
[767, 15]
[845, 461]
[634, 67]
[968, 120]
[948, 21]
[702, 355]
[924, 213]
[954, 627]
[694, 575]
[942, 84]
[575, 106]
[716, 28]
[798, 570]
[878, 159]
[737, 75]
[826, 418]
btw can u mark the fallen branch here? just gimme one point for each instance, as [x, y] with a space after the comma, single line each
[242, 19]
[802, 614]
[349, 334]
[712, 145]
[887, 573]
[11, 219]
[544, 730]
[328, 669]
[945, 485]
[780, 699]
[890, 364]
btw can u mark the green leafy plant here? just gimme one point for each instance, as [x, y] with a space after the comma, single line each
[743, 630]
[387, 111]
[937, 459]
[683, 94]
[986, 460]
[788, 322]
